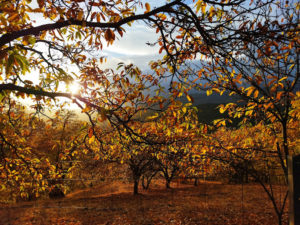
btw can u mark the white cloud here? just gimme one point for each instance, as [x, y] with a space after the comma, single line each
[141, 61]
[134, 41]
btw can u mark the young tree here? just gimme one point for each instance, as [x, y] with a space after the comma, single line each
[22, 169]
[61, 142]
[177, 132]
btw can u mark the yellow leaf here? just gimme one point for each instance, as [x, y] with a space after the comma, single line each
[189, 98]
[209, 92]
[211, 11]
[168, 133]
[203, 9]
[153, 117]
[222, 109]
[250, 90]
[92, 140]
[283, 78]
[232, 73]
[162, 16]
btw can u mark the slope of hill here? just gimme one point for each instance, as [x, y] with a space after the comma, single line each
[209, 203]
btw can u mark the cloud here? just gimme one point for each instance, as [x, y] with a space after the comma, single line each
[132, 47]
[141, 61]
[134, 41]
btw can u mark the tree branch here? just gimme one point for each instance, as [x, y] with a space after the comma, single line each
[41, 92]
[8, 37]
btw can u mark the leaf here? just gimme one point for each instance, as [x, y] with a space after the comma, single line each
[92, 140]
[28, 82]
[161, 105]
[209, 92]
[148, 8]
[189, 98]
[109, 36]
[250, 90]
[32, 40]
[153, 117]
[41, 3]
[90, 132]
[120, 31]
[91, 40]
[283, 78]
[162, 16]
[168, 133]
[203, 8]
[222, 109]
[80, 15]
[2, 96]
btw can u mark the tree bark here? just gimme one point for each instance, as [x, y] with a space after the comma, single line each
[195, 181]
[136, 186]
[168, 183]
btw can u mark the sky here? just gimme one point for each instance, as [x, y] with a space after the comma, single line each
[132, 47]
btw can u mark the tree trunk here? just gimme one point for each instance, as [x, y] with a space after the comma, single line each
[136, 186]
[144, 185]
[279, 217]
[168, 183]
[196, 181]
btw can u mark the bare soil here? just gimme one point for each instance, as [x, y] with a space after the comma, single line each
[114, 203]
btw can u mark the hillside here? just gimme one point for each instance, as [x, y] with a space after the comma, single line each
[209, 203]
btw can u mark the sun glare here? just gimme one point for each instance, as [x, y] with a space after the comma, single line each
[74, 88]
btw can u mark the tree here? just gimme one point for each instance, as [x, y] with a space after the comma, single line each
[140, 161]
[23, 169]
[36, 153]
[252, 54]
[61, 142]
[177, 131]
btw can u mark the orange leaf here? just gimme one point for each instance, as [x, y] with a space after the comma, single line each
[109, 35]
[120, 32]
[147, 7]
[90, 133]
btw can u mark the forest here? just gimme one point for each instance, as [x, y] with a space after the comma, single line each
[83, 114]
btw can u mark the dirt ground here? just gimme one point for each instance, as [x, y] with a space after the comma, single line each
[209, 203]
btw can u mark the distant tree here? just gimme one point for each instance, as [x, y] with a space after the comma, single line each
[62, 143]
[139, 165]
[169, 159]
[178, 134]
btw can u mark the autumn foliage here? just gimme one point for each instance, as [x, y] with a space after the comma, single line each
[132, 118]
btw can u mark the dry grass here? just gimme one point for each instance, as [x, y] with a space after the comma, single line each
[209, 203]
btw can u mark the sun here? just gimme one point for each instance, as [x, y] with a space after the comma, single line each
[74, 87]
